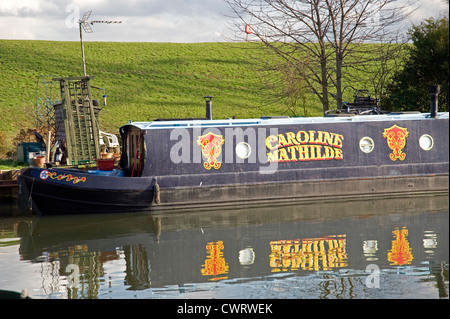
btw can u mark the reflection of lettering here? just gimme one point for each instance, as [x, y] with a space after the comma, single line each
[308, 254]
[304, 146]
[401, 253]
[215, 263]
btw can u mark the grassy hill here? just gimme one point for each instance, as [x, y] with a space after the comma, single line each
[142, 80]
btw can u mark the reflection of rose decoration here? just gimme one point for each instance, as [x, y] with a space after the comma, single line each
[215, 263]
[401, 253]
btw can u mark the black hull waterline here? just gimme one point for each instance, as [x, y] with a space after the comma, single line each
[66, 200]
[314, 162]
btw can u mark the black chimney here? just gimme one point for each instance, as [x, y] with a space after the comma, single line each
[209, 107]
[434, 92]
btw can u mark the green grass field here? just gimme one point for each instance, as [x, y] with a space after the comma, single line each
[143, 81]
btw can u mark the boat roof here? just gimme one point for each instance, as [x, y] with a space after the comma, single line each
[170, 124]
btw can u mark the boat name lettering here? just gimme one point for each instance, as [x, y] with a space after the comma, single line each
[45, 174]
[304, 146]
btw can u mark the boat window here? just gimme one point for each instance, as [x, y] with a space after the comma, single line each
[243, 150]
[426, 142]
[366, 144]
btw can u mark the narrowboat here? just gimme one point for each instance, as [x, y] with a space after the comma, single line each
[195, 164]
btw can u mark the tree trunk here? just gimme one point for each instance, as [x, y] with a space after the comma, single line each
[324, 97]
[339, 59]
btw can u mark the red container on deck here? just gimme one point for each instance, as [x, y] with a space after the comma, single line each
[106, 164]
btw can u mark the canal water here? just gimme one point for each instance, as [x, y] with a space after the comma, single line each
[369, 249]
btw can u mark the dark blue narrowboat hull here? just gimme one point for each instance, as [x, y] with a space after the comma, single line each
[85, 193]
[209, 164]
[50, 199]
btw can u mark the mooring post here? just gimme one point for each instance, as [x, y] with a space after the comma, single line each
[209, 107]
[434, 93]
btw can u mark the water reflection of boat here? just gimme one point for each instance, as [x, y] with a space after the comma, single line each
[190, 248]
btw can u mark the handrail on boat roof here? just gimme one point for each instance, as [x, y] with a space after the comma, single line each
[172, 124]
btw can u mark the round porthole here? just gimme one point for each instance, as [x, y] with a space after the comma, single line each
[366, 144]
[426, 142]
[243, 150]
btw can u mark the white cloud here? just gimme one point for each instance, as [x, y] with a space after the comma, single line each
[15, 7]
[142, 20]
[428, 9]
[25, 31]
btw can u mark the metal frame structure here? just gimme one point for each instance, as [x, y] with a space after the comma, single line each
[84, 25]
[80, 120]
[45, 99]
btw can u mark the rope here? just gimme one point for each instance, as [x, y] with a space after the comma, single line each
[29, 197]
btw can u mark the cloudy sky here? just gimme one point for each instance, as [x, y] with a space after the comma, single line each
[142, 20]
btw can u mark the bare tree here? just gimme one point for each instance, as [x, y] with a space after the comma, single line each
[330, 33]
[389, 58]
[287, 87]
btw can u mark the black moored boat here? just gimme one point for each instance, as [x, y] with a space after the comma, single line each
[205, 163]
